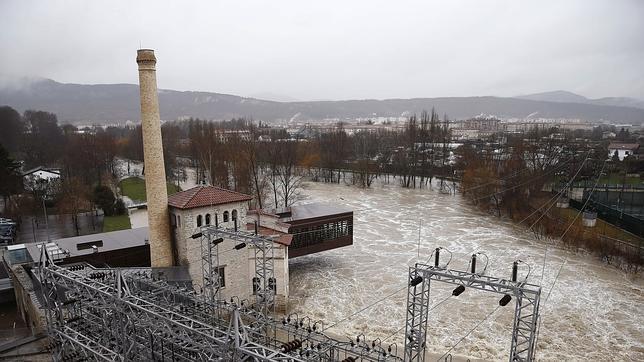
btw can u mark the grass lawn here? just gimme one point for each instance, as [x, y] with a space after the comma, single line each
[113, 223]
[618, 180]
[134, 188]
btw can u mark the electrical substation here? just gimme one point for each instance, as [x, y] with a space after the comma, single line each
[156, 313]
[134, 314]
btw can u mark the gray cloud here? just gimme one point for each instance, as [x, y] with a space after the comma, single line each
[335, 49]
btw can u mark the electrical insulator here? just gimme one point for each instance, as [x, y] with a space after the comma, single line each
[417, 280]
[292, 345]
[437, 256]
[515, 271]
[458, 290]
[505, 300]
[473, 263]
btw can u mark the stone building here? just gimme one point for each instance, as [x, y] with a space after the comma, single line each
[201, 206]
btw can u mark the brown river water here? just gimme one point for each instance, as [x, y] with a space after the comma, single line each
[594, 312]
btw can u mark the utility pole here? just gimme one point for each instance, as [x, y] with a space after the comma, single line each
[44, 208]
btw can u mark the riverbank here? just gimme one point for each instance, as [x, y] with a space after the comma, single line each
[594, 311]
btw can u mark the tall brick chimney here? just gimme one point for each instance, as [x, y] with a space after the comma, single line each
[155, 183]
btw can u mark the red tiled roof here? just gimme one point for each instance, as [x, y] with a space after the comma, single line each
[200, 196]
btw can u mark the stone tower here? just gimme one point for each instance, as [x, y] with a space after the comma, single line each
[155, 182]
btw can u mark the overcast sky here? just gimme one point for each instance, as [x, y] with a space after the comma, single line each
[311, 50]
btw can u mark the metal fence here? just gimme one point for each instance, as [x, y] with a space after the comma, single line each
[613, 216]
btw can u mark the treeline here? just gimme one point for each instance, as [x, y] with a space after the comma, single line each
[85, 159]
[240, 154]
[508, 179]
[269, 163]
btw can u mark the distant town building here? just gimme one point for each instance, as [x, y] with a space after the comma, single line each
[229, 135]
[42, 173]
[480, 127]
[608, 135]
[41, 178]
[623, 150]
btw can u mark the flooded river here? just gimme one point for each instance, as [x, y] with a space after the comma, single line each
[594, 312]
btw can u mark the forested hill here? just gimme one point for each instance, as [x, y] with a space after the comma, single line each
[119, 102]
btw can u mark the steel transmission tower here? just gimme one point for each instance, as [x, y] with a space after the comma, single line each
[524, 333]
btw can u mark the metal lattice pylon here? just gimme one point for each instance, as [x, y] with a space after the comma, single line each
[526, 314]
[264, 264]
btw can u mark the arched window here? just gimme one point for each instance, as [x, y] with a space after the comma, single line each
[225, 216]
[207, 219]
[199, 220]
[234, 215]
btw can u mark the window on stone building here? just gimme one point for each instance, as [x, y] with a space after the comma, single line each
[207, 219]
[226, 216]
[199, 221]
[178, 220]
[234, 215]
[222, 276]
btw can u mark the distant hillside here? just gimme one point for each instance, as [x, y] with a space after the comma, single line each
[119, 102]
[569, 97]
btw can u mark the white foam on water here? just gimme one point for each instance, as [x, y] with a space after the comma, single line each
[595, 311]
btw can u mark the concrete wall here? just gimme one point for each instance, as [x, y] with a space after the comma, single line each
[27, 303]
[268, 221]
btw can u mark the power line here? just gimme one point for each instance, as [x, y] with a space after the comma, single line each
[511, 176]
[566, 259]
[430, 309]
[514, 174]
[569, 226]
[587, 199]
[365, 308]
[469, 332]
[557, 195]
[521, 184]
[555, 198]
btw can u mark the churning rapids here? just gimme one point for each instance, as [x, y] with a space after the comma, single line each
[595, 311]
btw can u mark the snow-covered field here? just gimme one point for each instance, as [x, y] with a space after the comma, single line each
[595, 312]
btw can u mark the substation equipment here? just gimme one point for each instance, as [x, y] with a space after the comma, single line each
[136, 314]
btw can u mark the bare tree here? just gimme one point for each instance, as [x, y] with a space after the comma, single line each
[290, 181]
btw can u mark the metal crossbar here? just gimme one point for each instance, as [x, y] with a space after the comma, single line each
[526, 314]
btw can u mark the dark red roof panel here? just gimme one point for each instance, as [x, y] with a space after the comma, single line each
[200, 196]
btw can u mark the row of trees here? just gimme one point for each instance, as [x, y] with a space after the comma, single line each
[85, 159]
[269, 163]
